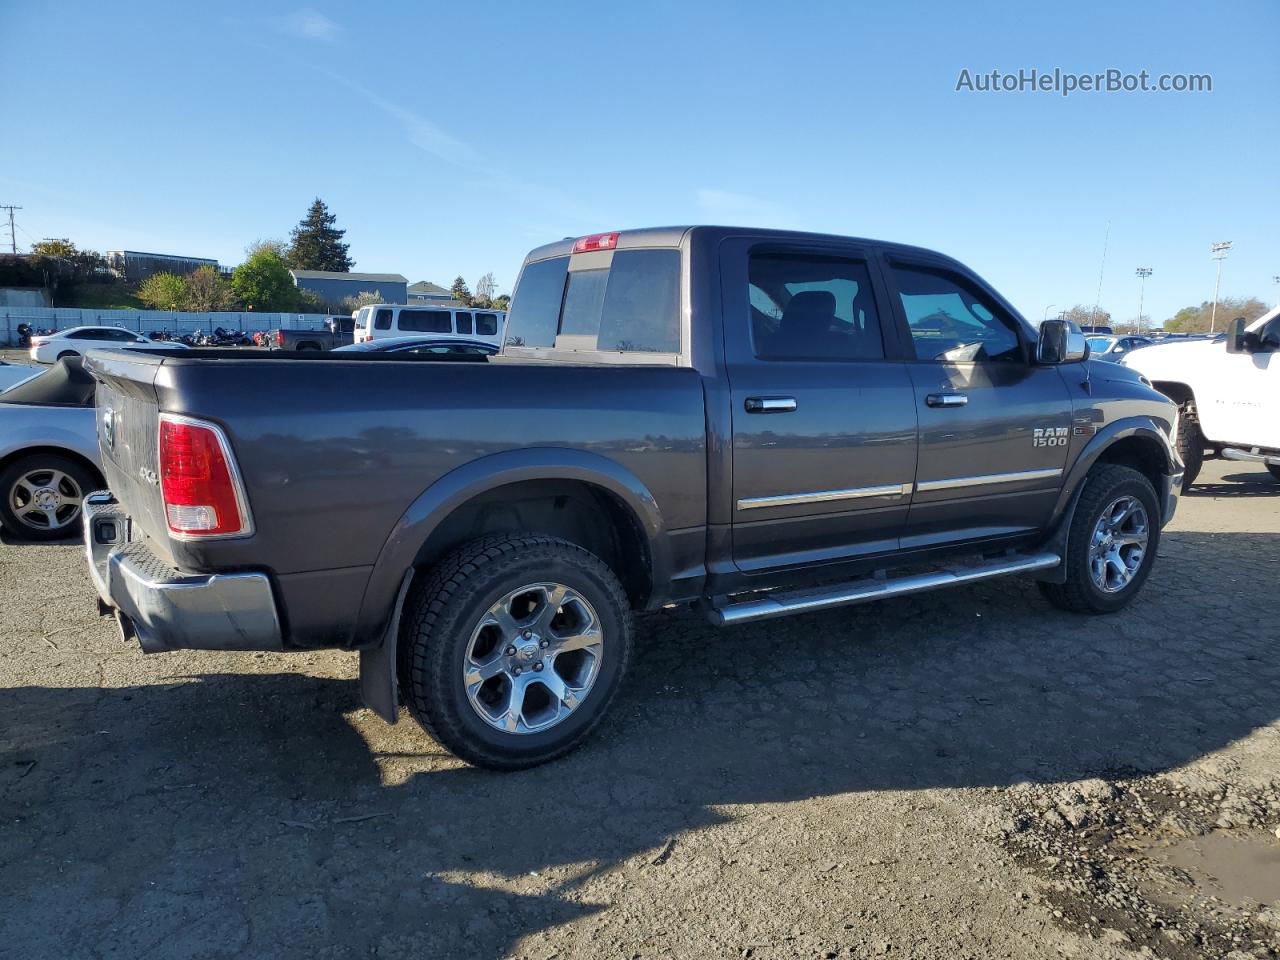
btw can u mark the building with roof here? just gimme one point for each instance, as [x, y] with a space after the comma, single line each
[333, 287]
[134, 266]
[424, 291]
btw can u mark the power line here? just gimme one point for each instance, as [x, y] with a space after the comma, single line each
[13, 237]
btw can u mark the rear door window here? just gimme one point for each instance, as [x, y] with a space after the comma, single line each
[462, 319]
[487, 324]
[808, 307]
[382, 320]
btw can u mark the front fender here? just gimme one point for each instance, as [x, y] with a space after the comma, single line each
[1145, 427]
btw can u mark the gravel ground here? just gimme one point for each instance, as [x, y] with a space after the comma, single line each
[968, 773]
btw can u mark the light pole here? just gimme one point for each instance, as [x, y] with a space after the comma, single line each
[1141, 273]
[1052, 305]
[1219, 252]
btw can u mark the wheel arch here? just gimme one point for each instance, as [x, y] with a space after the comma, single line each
[554, 491]
[1133, 441]
[52, 449]
[1175, 390]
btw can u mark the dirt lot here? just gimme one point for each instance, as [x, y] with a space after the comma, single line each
[964, 774]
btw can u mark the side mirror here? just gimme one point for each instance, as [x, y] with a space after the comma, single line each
[1236, 341]
[1058, 343]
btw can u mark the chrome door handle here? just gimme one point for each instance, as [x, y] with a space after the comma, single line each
[770, 404]
[946, 399]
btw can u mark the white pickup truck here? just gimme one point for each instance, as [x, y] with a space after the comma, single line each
[1228, 392]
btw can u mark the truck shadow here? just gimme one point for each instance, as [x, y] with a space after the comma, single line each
[1259, 484]
[266, 814]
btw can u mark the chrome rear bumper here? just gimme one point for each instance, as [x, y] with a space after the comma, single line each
[166, 609]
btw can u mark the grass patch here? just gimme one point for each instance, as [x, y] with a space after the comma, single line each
[101, 296]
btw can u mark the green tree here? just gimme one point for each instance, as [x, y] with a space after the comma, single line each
[502, 301]
[163, 291]
[263, 282]
[460, 292]
[365, 298]
[1198, 319]
[207, 289]
[316, 244]
[55, 247]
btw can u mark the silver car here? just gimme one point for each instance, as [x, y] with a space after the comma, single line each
[48, 452]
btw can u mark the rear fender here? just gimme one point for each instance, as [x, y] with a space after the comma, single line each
[384, 596]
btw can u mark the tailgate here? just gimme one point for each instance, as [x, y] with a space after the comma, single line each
[128, 436]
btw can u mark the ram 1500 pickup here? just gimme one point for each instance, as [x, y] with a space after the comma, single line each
[754, 422]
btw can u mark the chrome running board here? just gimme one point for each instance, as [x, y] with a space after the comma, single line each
[860, 591]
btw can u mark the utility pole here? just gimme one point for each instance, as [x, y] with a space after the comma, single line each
[1219, 252]
[13, 237]
[1142, 273]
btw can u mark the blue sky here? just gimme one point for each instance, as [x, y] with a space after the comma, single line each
[451, 137]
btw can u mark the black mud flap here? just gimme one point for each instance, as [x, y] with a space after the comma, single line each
[378, 684]
[1057, 543]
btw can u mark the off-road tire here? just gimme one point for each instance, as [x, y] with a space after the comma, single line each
[1190, 443]
[1106, 482]
[41, 461]
[443, 610]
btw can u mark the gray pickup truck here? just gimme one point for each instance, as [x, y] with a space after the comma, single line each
[754, 422]
[337, 332]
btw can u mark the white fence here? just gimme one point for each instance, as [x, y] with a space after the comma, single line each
[148, 321]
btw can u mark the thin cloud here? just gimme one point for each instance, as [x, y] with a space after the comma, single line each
[422, 133]
[433, 139]
[309, 24]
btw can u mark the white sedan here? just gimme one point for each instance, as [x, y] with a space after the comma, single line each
[75, 342]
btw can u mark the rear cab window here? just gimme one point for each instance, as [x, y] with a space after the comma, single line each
[604, 302]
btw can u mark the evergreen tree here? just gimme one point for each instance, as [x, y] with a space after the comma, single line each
[316, 244]
[461, 292]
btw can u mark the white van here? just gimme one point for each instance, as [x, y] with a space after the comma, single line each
[393, 320]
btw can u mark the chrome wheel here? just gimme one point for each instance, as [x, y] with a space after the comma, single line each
[46, 499]
[533, 658]
[1119, 544]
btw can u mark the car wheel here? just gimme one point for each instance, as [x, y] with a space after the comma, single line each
[1274, 470]
[67, 353]
[1112, 543]
[1190, 444]
[42, 496]
[514, 648]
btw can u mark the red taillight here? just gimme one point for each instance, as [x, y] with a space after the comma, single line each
[597, 241]
[202, 496]
[39, 342]
[280, 337]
